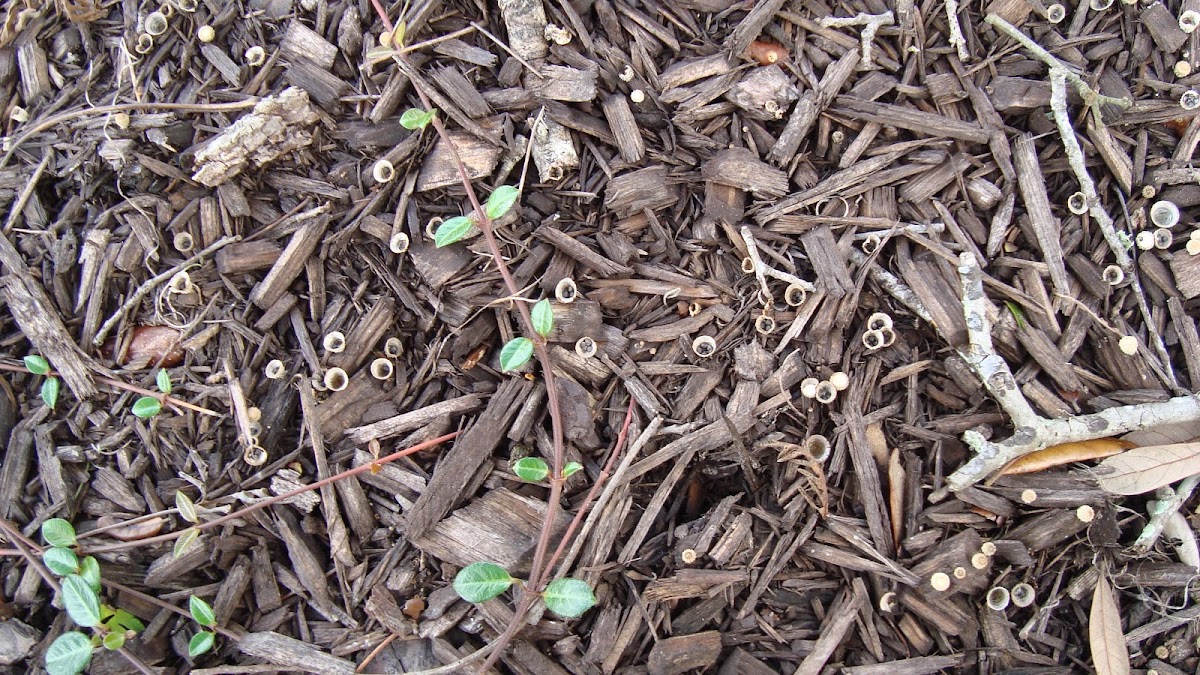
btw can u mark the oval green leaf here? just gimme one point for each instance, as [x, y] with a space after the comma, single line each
[571, 469]
[451, 231]
[187, 509]
[113, 641]
[50, 388]
[163, 380]
[122, 620]
[482, 581]
[89, 569]
[202, 612]
[38, 365]
[61, 561]
[82, 603]
[415, 118]
[515, 354]
[184, 541]
[200, 643]
[569, 598]
[58, 532]
[531, 469]
[146, 407]
[69, 654]
[542, 317]
[501, 201]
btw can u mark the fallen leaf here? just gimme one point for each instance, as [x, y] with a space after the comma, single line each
[1144, 469]
[1066, 453]
[896, 482]
[1164, 434]
[1109, 654]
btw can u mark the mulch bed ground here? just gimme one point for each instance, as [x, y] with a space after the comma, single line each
[845, 260]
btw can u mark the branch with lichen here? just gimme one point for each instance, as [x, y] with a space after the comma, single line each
[1169, 501]
[1093, 98]
[871, 24]
[1033, 432]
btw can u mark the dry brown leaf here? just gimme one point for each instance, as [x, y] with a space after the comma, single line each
[877, 442]
[896, 481]
[1143, 469]
[1066, 453]
[1109, 654]
[1164, 434]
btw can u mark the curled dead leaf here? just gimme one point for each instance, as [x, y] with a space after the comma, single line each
[1065, 453]
[133, 531]
[766, 53]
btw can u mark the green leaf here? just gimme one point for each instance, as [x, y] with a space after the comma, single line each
[571, 469]
[38, 365]
[163, 380]
[568, 598]
[451, 231]
[69, 654]
[114, 640]
[146, 407]
[187, 509]
[1017, 312]
[415, 118]
[482, 581]
[50, 389]
[58, 532]
[379, 54]
[184, 541]
[531, 469]
[515, 354]
[61, 561]
[542, 317]
[89, 569]
[82, 603]
[501, 201]
[122, 620]
[200, 643]
[202, 612]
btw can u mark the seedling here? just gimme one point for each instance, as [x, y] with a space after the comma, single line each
[51, 386]
[149, 406]
[202, 613]
[71, 652]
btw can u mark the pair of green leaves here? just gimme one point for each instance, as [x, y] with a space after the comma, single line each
[518, 351]
[203, 614]
[149, 406]
[535, 469]
[51, 386]
[500, 202]
[482, 581]
[187, 511]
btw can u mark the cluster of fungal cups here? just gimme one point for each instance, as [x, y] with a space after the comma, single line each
[158, 22]
[824, 391]
[336, 379]
[879, 333]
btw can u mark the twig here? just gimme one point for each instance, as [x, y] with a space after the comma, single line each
[149, 285]
[956, 35]
[762, 270]
[1091, 96]
[1118, 243]
[871, 24]
[1161, 510]
[113, 382]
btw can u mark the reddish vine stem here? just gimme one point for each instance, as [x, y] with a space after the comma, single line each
[208, 525]
[165, 399]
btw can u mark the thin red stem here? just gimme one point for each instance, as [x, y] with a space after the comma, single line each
[208, 525]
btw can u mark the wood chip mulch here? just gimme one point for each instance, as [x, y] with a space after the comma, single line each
[770, 175]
